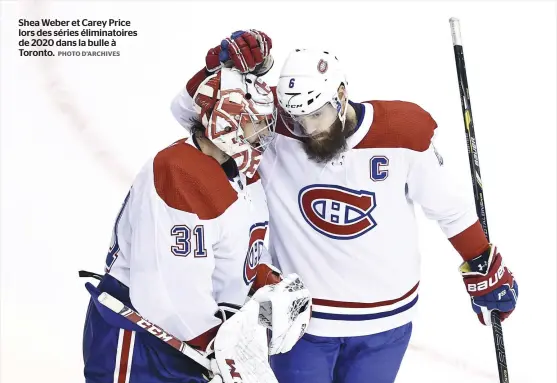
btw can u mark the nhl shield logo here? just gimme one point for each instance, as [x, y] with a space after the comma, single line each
[322, 66]
[336, 211]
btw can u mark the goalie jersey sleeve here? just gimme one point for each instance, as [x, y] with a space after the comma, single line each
[181, 242]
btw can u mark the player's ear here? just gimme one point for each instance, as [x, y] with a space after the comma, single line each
[342, 96]
[341, 91]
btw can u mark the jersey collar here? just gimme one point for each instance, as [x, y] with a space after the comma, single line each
[229, 167]
[363, 126]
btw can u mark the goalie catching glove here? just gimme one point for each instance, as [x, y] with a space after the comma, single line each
[241, 350]
[490, 284]
[284, 308]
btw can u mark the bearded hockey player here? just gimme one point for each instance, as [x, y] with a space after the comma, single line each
[187, 243]
[341, 180]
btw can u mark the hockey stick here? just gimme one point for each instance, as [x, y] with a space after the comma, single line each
[134, 317]
[476, 181]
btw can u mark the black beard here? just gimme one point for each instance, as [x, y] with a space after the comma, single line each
[326, 146]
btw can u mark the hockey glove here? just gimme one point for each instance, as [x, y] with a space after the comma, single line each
[285, 309]
[247, 51]
[241, 351]
[490, 284]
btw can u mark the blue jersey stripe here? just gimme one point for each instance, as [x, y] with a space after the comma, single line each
[359, 317]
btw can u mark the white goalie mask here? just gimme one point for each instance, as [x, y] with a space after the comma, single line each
[307, 92]
[238, 114]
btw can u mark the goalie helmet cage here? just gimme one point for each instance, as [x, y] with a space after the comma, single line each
[476, 180]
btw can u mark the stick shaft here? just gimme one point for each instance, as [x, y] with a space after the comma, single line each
[469, 126]
[476, 181]
[134, 317]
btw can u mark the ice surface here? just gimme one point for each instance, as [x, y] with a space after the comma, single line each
[75, 130]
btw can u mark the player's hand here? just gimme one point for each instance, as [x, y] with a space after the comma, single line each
[490, 284]
[248, 51]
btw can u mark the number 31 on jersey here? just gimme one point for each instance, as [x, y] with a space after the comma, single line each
[183, 236]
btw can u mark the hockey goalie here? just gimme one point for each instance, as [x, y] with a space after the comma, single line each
[188, 247]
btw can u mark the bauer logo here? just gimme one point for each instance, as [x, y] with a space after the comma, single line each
[337, 212]
[489, 283]
[256, 243]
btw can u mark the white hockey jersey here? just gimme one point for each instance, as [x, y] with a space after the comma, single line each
[187, 239]
[348, 227]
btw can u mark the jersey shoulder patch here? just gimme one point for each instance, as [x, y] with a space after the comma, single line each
[189, 180]
[399, 124]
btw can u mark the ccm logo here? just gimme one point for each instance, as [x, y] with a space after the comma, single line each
[154, 330]
[294, 106]
[492, 281]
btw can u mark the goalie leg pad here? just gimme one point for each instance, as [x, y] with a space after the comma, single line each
[241, 351]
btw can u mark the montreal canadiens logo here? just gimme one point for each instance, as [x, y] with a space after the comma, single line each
[337, 212]
[256, 243]
[322, 66]
[262, 87]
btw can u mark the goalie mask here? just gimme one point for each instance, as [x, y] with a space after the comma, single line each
[238, 114]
